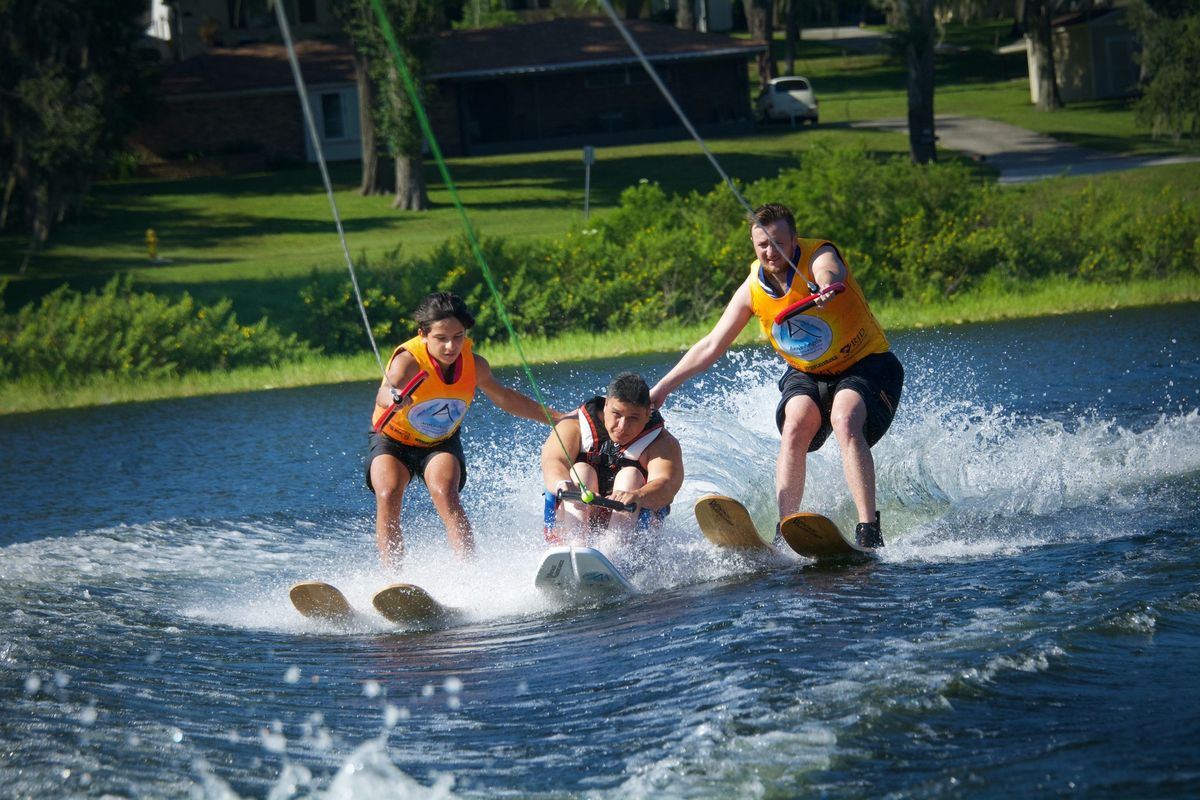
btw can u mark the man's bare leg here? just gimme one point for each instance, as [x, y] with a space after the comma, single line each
[801, 421]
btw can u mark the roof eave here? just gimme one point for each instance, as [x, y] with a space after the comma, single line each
[576, 66]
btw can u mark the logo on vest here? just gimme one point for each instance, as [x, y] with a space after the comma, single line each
[437, 418]
[803, 336]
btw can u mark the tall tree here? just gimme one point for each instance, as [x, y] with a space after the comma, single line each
[760, 21]
[75, 81]
[416, 24]
[791, 36]
[381, 90]
[919, 38]
[914, 34]
[1170, 60]
[1039, 34]
[685, 15]
[357, 22]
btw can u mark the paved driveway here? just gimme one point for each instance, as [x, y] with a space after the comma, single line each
[858, 40]
[1021, 155]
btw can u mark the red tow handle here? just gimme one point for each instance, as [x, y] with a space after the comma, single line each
[805, 303]
[398, 399]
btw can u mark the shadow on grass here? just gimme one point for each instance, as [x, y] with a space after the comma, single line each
[298, 179]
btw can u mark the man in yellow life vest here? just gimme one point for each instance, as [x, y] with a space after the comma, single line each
[418, 435]
[841, 376]
[620, 450]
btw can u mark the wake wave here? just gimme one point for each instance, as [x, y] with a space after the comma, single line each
[948, 461]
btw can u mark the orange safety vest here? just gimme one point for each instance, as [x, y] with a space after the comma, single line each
[820, 341]
[438, 406]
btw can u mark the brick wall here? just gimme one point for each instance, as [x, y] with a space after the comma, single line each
[267, 124]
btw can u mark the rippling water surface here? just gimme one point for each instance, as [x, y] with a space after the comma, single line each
[1032, 628]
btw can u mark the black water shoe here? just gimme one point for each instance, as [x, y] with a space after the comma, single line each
[868, 534]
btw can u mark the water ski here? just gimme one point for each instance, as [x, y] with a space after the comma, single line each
[408, 604]
[726, 523]
[575, 573]
[815, 536]
[320, 600]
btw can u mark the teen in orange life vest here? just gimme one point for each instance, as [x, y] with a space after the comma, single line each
[420, 437]
[841, 375]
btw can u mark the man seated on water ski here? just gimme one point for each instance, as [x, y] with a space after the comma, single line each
[618, 449]
[419, 435]
[841, 375]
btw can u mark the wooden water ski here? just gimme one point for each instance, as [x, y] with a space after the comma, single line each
[406, 603]
[320, 600]
[815, 536]
[726, 523]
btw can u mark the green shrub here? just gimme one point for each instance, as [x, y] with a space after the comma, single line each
[909, 232]
[118, 332]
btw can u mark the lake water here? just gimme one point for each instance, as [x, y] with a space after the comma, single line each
[1031, 629]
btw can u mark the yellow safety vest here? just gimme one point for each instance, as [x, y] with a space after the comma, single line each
[821, 341]
[438, 406]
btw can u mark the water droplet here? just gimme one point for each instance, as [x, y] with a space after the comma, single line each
[88, 716]
[372, 689]
[33, 684]
[453, 702]
[273, 742]
[452, 685]
[176, 735]
[292, 675]
[392, 715]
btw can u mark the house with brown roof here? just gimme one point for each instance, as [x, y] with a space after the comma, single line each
[1095, 56]
[541, 85]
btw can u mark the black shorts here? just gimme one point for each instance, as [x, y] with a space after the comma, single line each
[878, 378]
[415, 458]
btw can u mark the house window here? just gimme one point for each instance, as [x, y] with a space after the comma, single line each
[332, 116]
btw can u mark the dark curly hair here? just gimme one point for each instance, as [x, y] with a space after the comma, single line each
[439, 306]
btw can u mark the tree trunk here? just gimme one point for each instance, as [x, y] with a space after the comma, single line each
[410, 185]
[38, 212]
[685, 17]
[366, 126]
[9, 187]
[791, 36]
[758, 20]
[918, 53]
[1040, 38]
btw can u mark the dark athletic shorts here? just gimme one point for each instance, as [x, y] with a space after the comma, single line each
[415, 458]
[878, 378]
